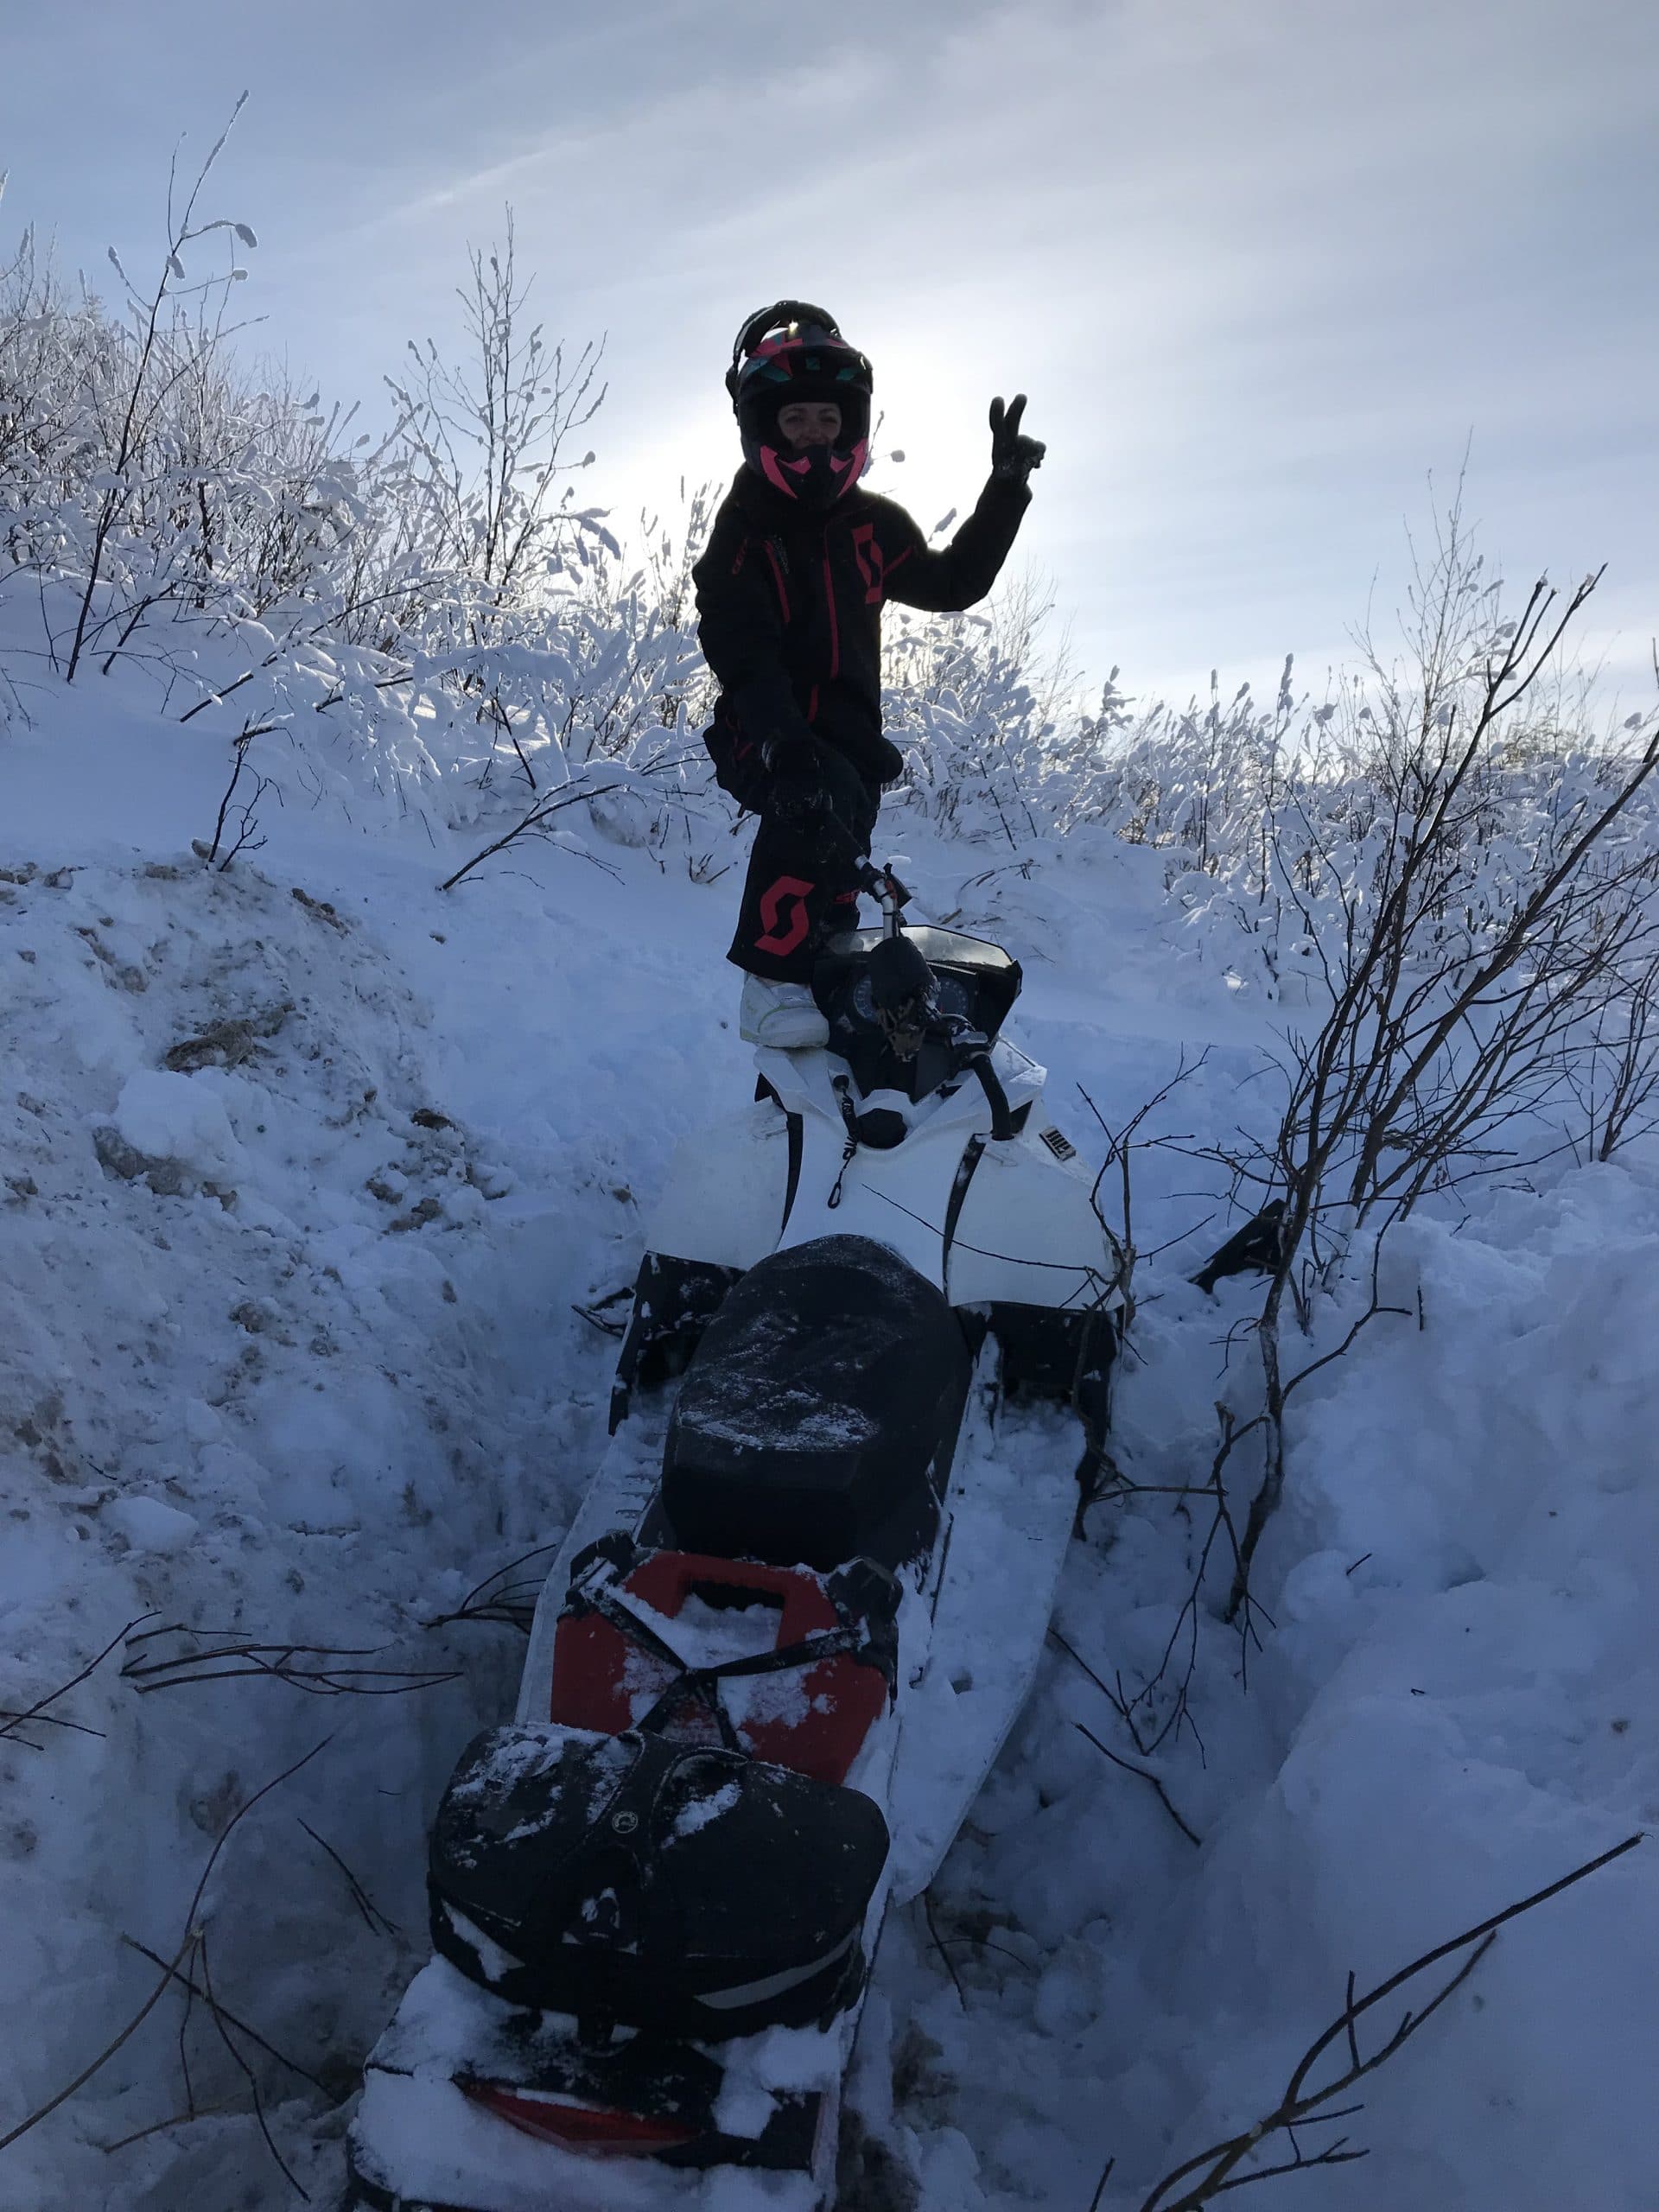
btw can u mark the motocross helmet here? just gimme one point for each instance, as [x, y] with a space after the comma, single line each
[793, 350]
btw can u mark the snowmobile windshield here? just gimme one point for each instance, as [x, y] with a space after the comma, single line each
[896, 1035]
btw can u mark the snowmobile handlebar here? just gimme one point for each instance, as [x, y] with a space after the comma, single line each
[903, 987]
[904, 992]
[971, 1050]
[881, 883]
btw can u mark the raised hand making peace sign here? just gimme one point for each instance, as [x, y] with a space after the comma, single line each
[1012, 453]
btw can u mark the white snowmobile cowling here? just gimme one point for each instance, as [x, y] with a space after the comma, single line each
[986, 1221]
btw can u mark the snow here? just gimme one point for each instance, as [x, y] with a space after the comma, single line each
[150, 1524]
[494, 1962]
[178, 1117]
[699, 1813]
[748, 1408]
[705, 1635]
[299, 1194]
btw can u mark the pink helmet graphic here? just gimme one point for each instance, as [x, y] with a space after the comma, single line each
[793, 351]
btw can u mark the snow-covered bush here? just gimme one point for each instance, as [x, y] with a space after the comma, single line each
[422, 612]
[1472, 910]
[959, 707]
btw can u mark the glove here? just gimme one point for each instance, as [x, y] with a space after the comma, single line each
[1014, 455]
[890, 761]
[799, 788]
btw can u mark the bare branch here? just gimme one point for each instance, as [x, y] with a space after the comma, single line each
[37, 1712]
[188, 1942]
[1217, 2168]
[1146, 1775]
[241, 2026]
[319, 1669]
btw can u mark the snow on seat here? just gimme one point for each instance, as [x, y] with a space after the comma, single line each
[819, 1411]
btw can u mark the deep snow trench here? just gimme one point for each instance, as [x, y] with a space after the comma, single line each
[306, 1169]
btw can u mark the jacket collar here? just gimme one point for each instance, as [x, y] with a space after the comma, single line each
[768, 512]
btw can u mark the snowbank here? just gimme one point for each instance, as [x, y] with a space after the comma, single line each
[306, 1166]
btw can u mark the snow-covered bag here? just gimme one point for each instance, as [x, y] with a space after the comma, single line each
[628, 1879]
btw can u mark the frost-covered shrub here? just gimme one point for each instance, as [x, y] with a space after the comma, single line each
[424, 613]
[973, 734]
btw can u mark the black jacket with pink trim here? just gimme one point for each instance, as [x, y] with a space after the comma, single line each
[790, 608]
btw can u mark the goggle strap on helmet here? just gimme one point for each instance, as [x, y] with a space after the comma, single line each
[781, 313]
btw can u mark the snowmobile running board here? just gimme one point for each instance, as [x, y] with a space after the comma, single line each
[783, 1642]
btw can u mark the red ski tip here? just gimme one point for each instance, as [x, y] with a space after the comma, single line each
[579, 2126]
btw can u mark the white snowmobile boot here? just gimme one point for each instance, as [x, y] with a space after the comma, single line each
[782, 1014]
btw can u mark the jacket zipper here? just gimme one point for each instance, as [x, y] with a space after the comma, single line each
[778, 578]
[835, 632]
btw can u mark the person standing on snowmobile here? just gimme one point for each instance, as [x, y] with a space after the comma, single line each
[789, 590]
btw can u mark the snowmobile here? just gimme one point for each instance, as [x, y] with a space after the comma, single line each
[783, 1642]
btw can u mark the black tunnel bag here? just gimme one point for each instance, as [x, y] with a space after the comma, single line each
[627, 1878]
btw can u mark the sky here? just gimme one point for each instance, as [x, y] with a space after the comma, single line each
[1266, 268]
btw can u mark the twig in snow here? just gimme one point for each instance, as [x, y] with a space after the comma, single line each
[241, 2026]
[1118, 1698]
[499, 1601]
[40, 1721]
[215, 1656]
[1217, 2169]
[534, 820]
[1146, 1775]
[189, 1942]
[37, 1712]
[984, 1944]
[373, 1917]
[1271, 1420]
[289, 2175]
[1181, 1648]
[1119, 1704]
[532, 823]
[939, 1945]
[1121, 1144]
[104, 2056]
[247, 812]
[160, 2126]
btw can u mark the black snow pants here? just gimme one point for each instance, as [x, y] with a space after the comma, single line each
[802, 886]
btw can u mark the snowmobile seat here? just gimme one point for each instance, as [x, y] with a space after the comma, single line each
[818, 1417]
